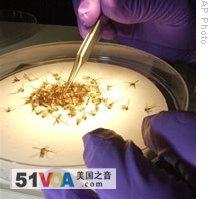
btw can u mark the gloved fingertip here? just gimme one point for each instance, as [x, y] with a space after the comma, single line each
[93, 144]
[98, 142]
[145, 126]
[151, 121]
[90, 135]
[89, 12]
[103, 134]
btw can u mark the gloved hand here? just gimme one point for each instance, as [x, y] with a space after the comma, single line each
[137, 177]
[165, 28]
[172, 136]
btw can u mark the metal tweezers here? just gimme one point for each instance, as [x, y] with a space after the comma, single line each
[85, 50]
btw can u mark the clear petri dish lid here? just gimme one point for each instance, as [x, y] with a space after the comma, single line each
[113, 64]
[16, 26]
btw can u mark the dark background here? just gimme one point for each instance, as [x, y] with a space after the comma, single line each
[58, 12]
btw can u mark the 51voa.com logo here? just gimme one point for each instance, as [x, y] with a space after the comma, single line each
[51, 179]
[102, 178]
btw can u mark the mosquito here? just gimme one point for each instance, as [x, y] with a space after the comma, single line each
[84, 116]
[43, 151]
[19, 90]
[125, 107]
[15, 79]
[133, 84]
[45, 113]
[71, 113]
[56, 76]
[58, 119]
[8, 109]
[108, 87]
[78, 121]
[92, 112]
[149, 109]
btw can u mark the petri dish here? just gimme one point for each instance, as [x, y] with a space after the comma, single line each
[141, 81]
[16, 26]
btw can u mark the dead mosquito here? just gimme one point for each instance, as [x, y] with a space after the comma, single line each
[108, 87]
[8, 109]
[72, 113]
[109, 105]
[78, 121]
[84, 116]
[132, 84]
[58, 119]
[43, 151]
[19, 90]
[125, 107]
[15, 79]
[149, 109]
[45, 113]
[92, 112]
[56, 76]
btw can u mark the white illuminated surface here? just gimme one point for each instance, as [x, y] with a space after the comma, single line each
[22, 129]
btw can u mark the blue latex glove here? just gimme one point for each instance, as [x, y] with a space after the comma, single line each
[165, 28]
[137, 177]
